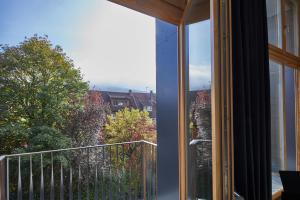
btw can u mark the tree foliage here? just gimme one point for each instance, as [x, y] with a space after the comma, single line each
[84, 125]
[39, 88]
[129, 125]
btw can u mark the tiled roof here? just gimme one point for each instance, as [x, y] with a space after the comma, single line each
[136, 99]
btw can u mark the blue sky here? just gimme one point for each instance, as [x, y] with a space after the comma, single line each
[24, 18]
[112, 45]
[199, 55]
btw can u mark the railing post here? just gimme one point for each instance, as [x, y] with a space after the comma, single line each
[3, 178]
[144, 170]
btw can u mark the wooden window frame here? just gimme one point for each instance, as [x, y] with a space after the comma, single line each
[221, 101]
[287, 59]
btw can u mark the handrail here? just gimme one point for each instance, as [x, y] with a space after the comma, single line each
[2, 177]
[109, 162]
[195, 141]
[77, 148]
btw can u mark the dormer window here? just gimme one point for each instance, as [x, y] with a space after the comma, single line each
[120, 102]
[148, 108]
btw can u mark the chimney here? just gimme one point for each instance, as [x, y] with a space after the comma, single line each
[151, 95]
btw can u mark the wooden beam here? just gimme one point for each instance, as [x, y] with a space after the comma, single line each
[216, 102]
[182, 126]
[156, 8]
[283, 57]
[200, 11]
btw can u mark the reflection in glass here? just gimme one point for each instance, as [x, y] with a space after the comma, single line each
[290, 113]
[274, 22]
[199, 107]
[283, 135]
[277, 127]
[291, 18]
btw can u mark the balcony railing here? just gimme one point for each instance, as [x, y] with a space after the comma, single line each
[110, 171]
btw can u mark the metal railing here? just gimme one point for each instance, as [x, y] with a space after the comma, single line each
[200, 169]
[236, 196]
[110, 171]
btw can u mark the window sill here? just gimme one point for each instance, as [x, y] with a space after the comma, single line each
[276, 186]
[276, 195]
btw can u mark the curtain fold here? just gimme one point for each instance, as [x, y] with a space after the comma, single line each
[251, 100]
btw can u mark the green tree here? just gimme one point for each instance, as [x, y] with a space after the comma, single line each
[39, 88]
[125, 126]
[129, 125]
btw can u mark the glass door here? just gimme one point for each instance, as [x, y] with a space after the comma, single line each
[206, 81]
[199, 129]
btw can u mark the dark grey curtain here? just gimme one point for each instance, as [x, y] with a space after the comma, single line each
[251, 99]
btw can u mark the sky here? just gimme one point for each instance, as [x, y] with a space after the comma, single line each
[112, 45]
[199, 55]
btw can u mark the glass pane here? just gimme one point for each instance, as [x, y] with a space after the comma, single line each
[199, 137]
[289, 74]
[277, 128]
[291, 17]
[274, 22]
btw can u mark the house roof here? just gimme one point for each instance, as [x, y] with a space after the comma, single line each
[135, 99]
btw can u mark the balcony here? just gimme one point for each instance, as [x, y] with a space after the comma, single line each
[110, 171]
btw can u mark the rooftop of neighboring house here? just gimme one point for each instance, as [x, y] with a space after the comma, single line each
[119, 100]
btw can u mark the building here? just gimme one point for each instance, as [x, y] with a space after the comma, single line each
[120, 100]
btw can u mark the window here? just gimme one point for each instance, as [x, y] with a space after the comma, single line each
[283, 25]
[199, 107]
[277, 124]
[290, 113]
[283, 35]
[277, 121]
[199, 144]
[283, 121]
[120, 103]
[148, 108]
[291, 23]
[274, 22]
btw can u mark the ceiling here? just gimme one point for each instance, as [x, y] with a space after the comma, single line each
[177, 3]
[171, 11]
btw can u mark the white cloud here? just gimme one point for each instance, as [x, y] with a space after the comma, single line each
[200, 76]
[116, 46]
